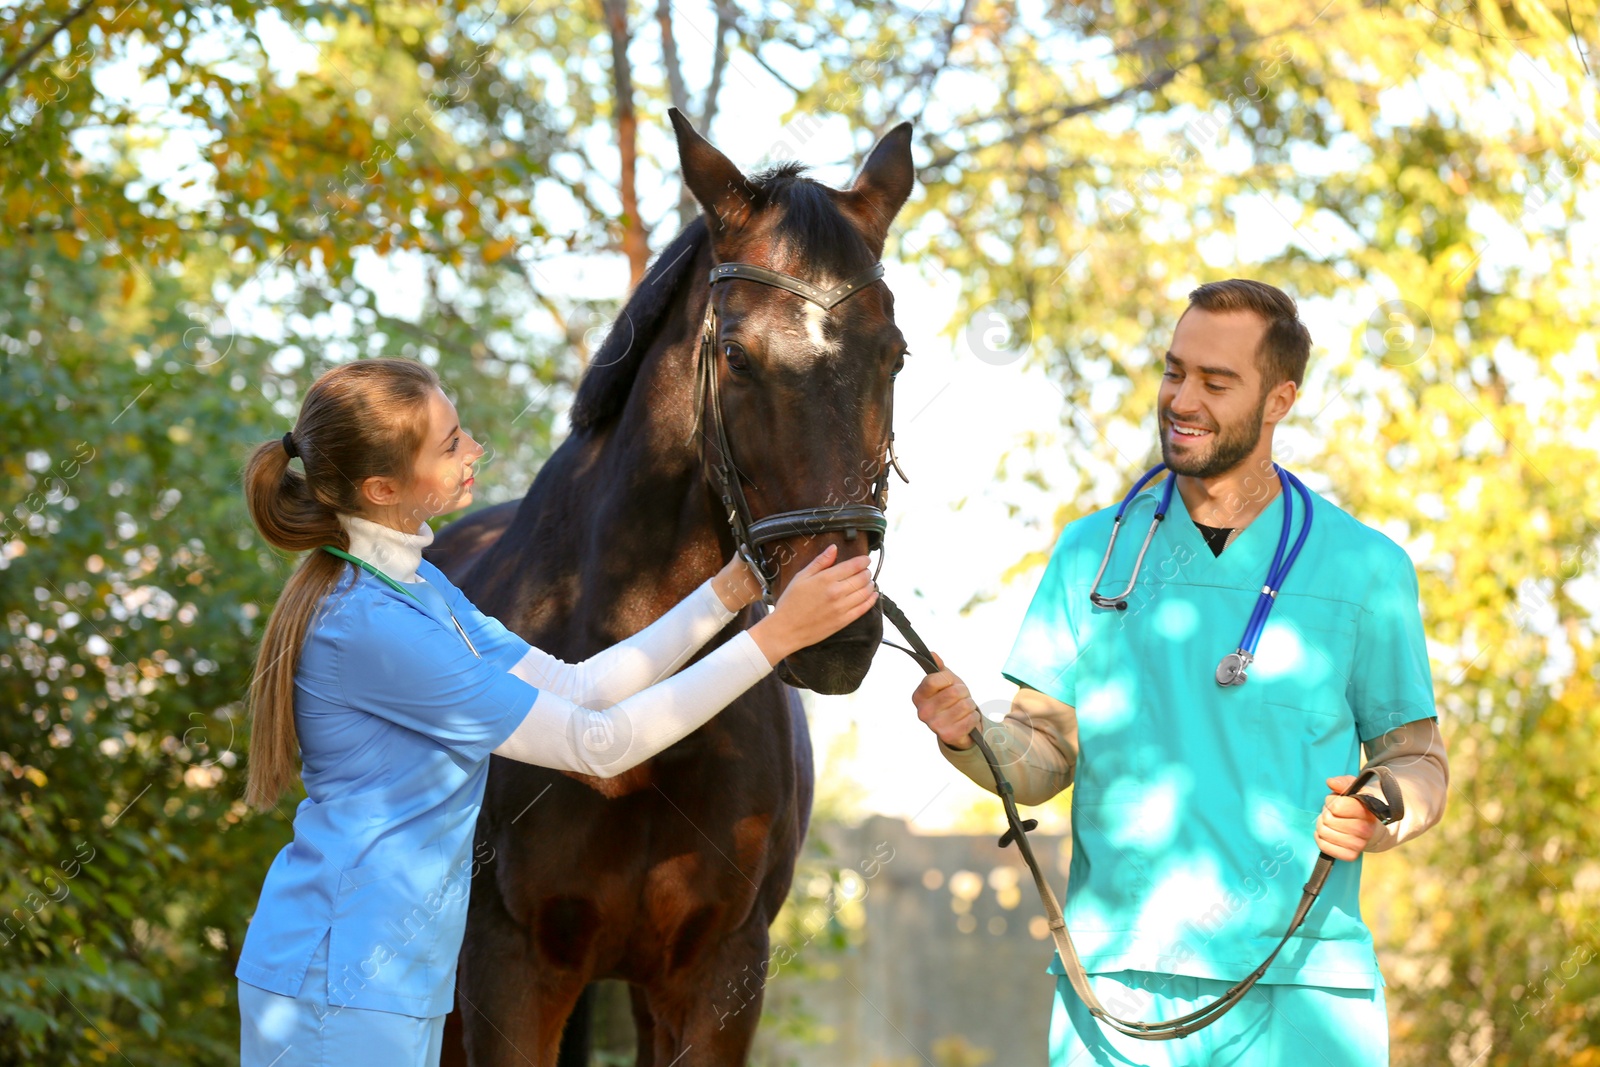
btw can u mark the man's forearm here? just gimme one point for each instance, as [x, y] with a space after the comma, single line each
[1036, 745]
[1415, 754]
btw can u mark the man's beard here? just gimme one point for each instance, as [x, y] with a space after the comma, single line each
[1229, 447]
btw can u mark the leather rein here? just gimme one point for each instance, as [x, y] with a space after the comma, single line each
[749, 533]
[1388, 808]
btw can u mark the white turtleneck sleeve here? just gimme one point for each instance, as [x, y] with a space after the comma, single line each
[604, 678]
[617, 708]
[606, 740]
[632, 664]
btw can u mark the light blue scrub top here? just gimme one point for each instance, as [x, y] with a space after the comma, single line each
[1194, 805]
[396, 720]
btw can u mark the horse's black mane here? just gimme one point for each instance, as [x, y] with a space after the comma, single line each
[605, 385]
[810, 221]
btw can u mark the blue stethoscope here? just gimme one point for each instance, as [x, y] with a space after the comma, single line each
[1236, 664]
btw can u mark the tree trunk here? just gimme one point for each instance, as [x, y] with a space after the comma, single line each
[635, 238]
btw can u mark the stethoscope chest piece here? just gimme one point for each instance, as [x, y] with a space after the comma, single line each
[1234, 668]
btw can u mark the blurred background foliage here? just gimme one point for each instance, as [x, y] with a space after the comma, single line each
[192, 228]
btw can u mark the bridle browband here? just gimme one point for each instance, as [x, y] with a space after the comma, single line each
[749, 533]
[823, 298]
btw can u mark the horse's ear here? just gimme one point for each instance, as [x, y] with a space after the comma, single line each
[881, 189]
[725, 195]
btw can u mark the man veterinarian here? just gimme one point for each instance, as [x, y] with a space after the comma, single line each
[1208, 681]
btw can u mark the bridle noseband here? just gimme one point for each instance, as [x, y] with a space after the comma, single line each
[749, 533]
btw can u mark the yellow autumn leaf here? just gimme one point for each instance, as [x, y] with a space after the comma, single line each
[496, 250]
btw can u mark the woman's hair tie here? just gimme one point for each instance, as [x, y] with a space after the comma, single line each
[288, 444]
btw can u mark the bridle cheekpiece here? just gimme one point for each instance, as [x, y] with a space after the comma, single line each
[750, 534]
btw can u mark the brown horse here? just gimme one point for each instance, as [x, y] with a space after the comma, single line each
[668, 876]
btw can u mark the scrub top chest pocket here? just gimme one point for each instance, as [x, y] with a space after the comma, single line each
[1308, 655]
[1146, 692]
[1304, 728]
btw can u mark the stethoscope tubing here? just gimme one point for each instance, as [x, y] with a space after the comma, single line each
[1120, 601]
[1277, 571]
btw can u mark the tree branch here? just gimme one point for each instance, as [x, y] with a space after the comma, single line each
[755, 53]
[449, 314]
[1056, 116]
[679, 95]
[719, 62]
[1577, 42]
[922, 81]
[38, 46]
[669, 57]
[574, 337]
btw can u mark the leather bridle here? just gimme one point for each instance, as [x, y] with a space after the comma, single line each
[749, 533]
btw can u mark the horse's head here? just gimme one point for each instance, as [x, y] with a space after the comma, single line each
[805, 391]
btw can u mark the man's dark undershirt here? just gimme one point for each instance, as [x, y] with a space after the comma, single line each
[1216, 537]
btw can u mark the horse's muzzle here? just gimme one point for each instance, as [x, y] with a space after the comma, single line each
[839, 663]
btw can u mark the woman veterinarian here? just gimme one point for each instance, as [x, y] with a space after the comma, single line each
[393, 690]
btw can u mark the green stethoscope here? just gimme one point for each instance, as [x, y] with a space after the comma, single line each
[370, 569]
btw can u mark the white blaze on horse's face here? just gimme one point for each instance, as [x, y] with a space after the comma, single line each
[816, 316]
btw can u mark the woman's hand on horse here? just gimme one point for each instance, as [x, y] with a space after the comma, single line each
[823, 598]
[946, 706]
[736, 584]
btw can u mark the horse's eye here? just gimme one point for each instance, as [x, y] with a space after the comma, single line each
[899, 365]
[737, 358]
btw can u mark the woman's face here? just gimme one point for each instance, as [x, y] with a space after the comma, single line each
[443, 474]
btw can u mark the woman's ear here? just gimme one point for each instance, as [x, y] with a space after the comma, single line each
[378, 491]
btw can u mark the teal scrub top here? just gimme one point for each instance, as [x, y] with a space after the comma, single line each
[1194, 804]
[396, 720]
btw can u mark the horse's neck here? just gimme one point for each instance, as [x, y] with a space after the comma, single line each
[658, 533]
